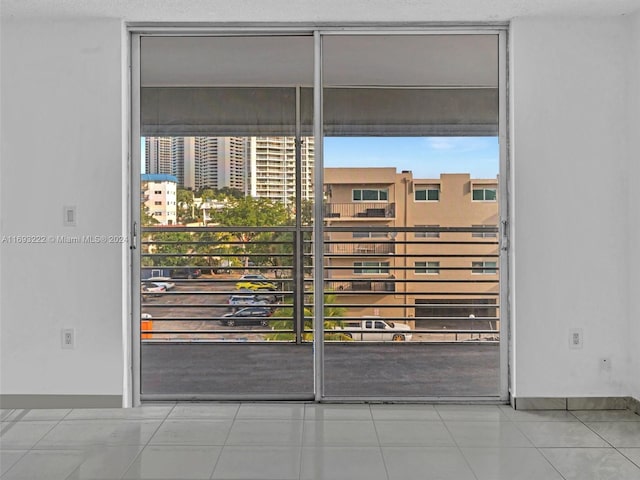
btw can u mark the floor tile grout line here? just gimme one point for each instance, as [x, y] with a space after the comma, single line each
[550, 463]
[599, 436]
[148, 441]
[301, 449]
[617, 449]
[567, 447]
[375, 429]
[456, 444]
[14, 464]
[32, 446]
[226, 439]
[538, 449]
[625, 456]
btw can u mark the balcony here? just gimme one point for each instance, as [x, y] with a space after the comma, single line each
[445, 288]
[360, 210]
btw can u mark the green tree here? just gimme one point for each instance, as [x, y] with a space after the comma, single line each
[171, 243]
[251, 212]
[207, 194]
[332, 318]
[228, 192]
[146, 219]
[185, 210]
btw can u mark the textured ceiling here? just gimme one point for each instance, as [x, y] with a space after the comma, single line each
[314, 11]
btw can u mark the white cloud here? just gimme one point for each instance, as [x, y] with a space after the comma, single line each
[441, 143]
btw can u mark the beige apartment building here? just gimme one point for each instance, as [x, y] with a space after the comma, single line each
[159, 198]
[409, 248]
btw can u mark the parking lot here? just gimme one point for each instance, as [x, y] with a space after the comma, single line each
[173, 366]
[179, 303]
[191, 299]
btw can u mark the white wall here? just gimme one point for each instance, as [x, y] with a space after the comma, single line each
[575, 197]
[634, 205]
[571, 194]
[62, 124]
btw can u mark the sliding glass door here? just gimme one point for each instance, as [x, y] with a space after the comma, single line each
[226, 202]
[320, 215]
[411, 216]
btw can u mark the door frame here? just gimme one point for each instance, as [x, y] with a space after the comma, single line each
[132, 347]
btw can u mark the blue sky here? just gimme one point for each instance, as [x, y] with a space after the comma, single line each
[426, 157]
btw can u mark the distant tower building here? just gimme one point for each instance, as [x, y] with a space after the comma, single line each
[159, 197]
[158, 156]
[198, 162]
[220, 162]
[272, 167]
[177, 155]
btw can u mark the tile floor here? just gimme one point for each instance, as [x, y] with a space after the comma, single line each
[309, 441]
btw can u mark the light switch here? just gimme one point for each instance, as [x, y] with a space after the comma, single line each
[69, 219]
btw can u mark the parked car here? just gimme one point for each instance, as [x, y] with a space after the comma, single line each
[251, 299]
[150, 289]
[377, 330]
[186, 273]
[162, 281]
[247, 315]
[255, 282]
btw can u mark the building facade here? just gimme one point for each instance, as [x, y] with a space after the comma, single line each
[199, 162]
[272, 162]
[159, 197]
[411, 248]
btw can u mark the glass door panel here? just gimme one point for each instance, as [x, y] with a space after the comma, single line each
[226, 198]
[411, 216]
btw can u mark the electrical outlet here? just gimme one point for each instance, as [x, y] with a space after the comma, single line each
[575, 338]
[605, 364]
[68, 338]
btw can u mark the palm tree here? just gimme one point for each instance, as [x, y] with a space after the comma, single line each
[331, 312]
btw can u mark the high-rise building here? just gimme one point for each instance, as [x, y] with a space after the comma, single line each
[219, 162]
[159, 155]
[199, 162]
[272, 167]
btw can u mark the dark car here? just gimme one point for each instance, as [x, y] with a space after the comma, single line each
[186, 273]
[247, 315]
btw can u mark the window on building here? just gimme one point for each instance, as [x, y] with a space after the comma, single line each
[484, 268]
[419, 234]
[429, 193]
[157, 203]
[369, 235]
[158, 192]
[484, 234]
[368, 268]
[427, 268]
[484, 194]
[157, 214]
[371, 195]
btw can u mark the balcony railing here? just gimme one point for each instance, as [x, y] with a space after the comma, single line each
[444, 290]
[364, 248]
[367, 210]
[360, 286]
